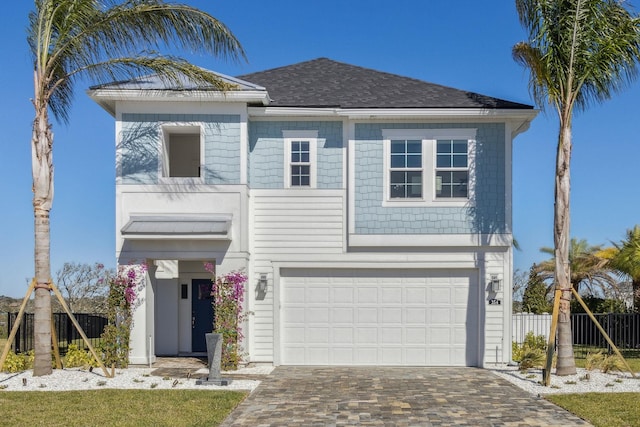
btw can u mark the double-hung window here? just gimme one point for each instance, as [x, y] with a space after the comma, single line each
[428, 167]
[406, 169]
[300, 150]
[452, 168]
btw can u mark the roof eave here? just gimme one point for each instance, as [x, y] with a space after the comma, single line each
[107, 98]
[398, 113]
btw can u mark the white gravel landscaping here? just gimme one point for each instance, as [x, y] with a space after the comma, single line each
[583, 382]
[140, 378]
[130, 378]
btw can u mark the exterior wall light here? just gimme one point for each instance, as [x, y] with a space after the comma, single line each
[262, 284]
[495, 283]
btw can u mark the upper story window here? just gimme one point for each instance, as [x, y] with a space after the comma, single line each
[452, 168]
[182, 151]
[300, 150]
[428, 167]
[406, 169]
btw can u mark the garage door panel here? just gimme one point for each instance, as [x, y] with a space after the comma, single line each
[367, 295]
[379, 317]
[415, 315]
[342, 295]
[342, 335]
[391, 295]
[415, 296]
[366, 336]
[343, 315]
[440, 295]
[367, 315]
[415, 335]
[391, 315]
[391, 336]
[391, 356]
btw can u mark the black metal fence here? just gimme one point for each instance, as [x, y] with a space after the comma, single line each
[66, 333]
[622, 328]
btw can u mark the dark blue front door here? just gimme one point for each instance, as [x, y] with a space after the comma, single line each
[201, 314]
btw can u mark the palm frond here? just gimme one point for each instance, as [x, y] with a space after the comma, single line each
[71, 40]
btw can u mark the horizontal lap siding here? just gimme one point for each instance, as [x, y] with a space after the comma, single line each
[286, 224]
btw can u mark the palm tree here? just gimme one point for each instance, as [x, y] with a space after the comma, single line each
[626, 261]
[102, 41]
[578, 52]
[588, 268]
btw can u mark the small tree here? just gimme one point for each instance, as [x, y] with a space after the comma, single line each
[535, 298]
[626, 261]
[84, 286]
[519, 286]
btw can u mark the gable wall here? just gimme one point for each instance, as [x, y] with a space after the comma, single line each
[139, 146]
[266, 152]
[486, 216]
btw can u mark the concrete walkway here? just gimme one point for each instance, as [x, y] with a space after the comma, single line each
[373, 396]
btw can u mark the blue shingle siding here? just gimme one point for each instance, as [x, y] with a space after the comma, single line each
[487, 216]
[138, 147]
[141, 136]
[266, 152]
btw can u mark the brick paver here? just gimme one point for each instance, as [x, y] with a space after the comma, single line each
[385, 396]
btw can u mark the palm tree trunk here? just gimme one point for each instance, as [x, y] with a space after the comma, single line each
[635, 286]
[566, 364]
[42, 169]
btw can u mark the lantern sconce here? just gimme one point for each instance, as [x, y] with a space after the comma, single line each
[262, 284]
[495, 283]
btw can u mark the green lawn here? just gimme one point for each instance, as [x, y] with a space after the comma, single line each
[602, 409]
[118, 407]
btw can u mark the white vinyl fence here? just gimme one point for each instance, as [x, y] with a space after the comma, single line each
[522, 323]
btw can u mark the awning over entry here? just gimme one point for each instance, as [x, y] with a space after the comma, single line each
[178, 227]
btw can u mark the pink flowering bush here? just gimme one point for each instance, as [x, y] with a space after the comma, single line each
[228, 315]
[124, 288]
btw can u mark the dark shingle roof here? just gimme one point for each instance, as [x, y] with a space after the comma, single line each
[323, 82]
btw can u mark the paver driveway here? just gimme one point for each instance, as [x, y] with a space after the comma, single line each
[374, 396]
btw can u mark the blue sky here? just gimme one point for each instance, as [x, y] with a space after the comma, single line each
[464, 44]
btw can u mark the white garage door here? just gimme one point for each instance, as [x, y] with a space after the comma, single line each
[379, 317]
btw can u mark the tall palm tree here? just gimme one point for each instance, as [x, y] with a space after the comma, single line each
[578, 52]
[626, 260]
[588, 268]
[101, 40]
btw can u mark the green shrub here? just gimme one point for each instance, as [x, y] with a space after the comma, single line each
[18, 362]
[78, 358]
[532, 358]
[531, 342]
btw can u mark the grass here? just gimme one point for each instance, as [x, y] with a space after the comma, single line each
[118, 407]
[601, 409]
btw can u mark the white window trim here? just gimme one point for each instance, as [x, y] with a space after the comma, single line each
[168, 128]
[301, 135]
[429, 138]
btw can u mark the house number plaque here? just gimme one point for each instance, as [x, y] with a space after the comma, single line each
[495, 301]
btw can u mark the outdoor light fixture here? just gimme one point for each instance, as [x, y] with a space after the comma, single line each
[262, 284]
[495, 283]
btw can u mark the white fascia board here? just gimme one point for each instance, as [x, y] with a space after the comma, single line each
[395, 113]
[107, 98]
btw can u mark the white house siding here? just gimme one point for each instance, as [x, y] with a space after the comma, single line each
[301, 229]
[295, 224]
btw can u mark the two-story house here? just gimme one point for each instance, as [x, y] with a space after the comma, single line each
[370, 211]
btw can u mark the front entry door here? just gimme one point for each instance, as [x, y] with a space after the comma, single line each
[201, 314]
